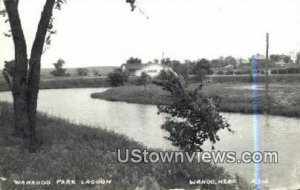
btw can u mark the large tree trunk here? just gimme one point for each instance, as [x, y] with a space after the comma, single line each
[19, 84]
[25, 89]
[34, 71]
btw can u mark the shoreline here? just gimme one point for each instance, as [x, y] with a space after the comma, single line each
[73, 151]
[238, 104]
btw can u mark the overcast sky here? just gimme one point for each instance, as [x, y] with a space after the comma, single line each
[106, 32]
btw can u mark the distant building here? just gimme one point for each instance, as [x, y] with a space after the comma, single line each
[229, 67]
[151, 69]
[280, 63]
[243, 62]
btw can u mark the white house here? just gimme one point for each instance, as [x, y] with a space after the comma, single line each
[151, 69]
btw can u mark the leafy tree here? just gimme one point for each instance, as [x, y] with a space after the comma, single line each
[218, 63]
[180, 69]
[133, 60]
[59, 70]
[229, 72]
[275, 57]
[166, 62]
[220, 72]
[156, 61]
[282, 57]
[287, 58]
[230, 61]
[25, 83]
[201, 68]
[117, 78]
[193, 118]
[82, 71]
[298, 58]
[143, 79]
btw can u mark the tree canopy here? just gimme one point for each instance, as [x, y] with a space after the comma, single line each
[193, 118]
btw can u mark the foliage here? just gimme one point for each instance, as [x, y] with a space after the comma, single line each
[287, 70]
[131, 2]
[8, 72]
[192, 118]
[282, 57]
[82, 71]
[201, 68]
[133, 60]
[59, 70]
[229, 72]
[298, 58]
[9, 67]
[143, 79]
[179, 68]
[220, 72]
[218, 63]
[230, 61]
[96, 73]
[117, 78]
[167, 62]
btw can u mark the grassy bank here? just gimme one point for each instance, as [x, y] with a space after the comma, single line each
[135, 94]
[69, 151]
[274, 78]
[284, 99]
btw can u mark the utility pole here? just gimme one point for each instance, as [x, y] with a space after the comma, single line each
[267, 75]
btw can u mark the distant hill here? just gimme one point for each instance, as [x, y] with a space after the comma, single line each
[92, 71]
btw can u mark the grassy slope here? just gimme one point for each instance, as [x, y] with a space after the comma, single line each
[68, 151]
[284, 99]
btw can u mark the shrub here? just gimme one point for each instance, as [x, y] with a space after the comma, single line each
[117, 78]
[82, 71]
[220, 72]
[193, 118]
[143, 79]
[229, 72]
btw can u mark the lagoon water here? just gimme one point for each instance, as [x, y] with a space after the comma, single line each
[141, 123]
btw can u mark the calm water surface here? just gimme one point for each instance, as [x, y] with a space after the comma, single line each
[141, 123]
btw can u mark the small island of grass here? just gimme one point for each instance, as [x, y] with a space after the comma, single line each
[284, 99]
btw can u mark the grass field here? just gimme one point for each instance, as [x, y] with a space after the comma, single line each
[92, 71]
[284, 99]
[274, 78]
[67, 82]
[48, 81]
[69, 151]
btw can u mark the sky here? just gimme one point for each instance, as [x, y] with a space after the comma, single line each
[107, 33]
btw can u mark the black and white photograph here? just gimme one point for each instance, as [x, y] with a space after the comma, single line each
[149, 94]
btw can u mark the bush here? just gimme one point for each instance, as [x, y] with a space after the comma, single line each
[193, 118]
[117, 78]
[96, 73]
[82, 71]
[229, 72]
[143, 79]
[220, 72]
